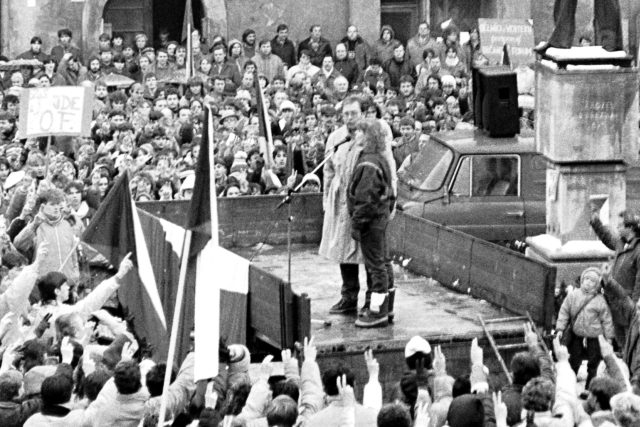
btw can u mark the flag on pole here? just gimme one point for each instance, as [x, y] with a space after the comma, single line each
[202, 282]
[217, 281]
[187, 21]
[264, 123]
[114, 231]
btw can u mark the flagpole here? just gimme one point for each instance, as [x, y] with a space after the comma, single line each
[186, 245]
[189, 51]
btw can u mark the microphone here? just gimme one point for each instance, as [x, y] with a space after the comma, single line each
[344, 141]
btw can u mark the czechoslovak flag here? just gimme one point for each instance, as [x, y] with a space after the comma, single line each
[114, 231]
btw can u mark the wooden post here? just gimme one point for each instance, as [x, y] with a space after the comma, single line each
[186, 246]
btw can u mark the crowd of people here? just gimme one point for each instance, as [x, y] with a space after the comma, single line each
[148, 113]
[70, 357]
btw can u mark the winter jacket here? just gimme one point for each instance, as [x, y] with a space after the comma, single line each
[361, 51]
[61, 237]
[398, 69]
[56, 416]
[416, 47]
[228, 71]
[316, 55]
[349, 69]
[92, 302]
[271, 66]
[512, 393]
[384, 50]
[13, 414]
[180, 391]
[70, 77]
[625, 269]
[631, 316]
[371, 79]
[57, 52]
[562, 414]
[593, 320]
[15, 298]
[370, 194]
[331, 416]
[286, 51]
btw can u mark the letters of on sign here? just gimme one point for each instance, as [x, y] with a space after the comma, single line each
[517, 34]
[58, 110]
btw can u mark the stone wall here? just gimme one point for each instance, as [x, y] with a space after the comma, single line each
[21, 21]
[265, 15]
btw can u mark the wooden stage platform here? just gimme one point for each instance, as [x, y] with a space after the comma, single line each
[422, 307]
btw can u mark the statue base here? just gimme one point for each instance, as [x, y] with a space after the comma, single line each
[570, 258]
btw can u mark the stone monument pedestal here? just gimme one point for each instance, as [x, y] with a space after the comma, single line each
[587, 127]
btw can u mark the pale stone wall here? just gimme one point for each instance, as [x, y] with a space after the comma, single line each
[19, 21]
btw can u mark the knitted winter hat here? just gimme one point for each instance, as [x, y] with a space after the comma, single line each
[415, 345]
[591, 271]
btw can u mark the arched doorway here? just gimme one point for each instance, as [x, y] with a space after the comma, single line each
[128, 17]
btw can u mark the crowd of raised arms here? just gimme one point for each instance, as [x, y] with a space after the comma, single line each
[71, 357]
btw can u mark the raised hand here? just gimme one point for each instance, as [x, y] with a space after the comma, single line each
[345, 391]
[530, 336]
[439, 361]
[500, 409]
[562, 354]
[310, 351]
[66, 350]
[372, 365]
[422, 415]
[128, 350]
[266, 368]
[41, 254]
[476, 353]
[126, 265]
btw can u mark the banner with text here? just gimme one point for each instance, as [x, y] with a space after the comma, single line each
[517, 34]
[58, 110]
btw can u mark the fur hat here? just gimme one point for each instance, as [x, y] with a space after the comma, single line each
[415, 345]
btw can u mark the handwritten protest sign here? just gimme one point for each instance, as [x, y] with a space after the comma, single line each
[517, 34]
[58, 110]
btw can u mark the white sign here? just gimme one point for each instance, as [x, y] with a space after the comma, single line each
[58, 110]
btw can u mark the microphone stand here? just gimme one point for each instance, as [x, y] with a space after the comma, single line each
[286, 200]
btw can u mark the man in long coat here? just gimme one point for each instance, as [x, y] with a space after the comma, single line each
[625, 268]
[337, 243]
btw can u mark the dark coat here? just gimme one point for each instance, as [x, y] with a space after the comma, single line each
[317, 56]
[228, 71]
[359, 49]
[627, 310]
[286, 51]
[370, 195]
[370, 78]
[625, 269]
[349, 69]
[398, 69]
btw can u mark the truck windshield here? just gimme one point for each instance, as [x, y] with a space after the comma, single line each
[427, 168]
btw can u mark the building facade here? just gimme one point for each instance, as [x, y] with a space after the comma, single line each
[22, 19]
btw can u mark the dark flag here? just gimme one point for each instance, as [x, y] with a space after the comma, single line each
[114, 231]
